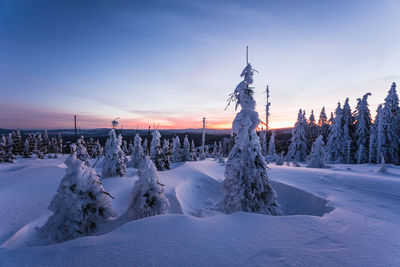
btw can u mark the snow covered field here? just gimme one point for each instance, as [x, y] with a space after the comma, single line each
[347, 215]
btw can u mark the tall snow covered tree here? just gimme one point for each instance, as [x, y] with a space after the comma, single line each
[114, 163]
[336, 144]
[298, 146]
[246, 186]
[348, 131]
[391, 129]
[362, 131]
[323, 125]
[317, 157]
[80, 205]
[138, 153]
[176, 150]
[312, 130]
[147, 197]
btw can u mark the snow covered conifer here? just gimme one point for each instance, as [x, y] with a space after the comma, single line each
[312, 130]
[80, 205]
[114, 160]
[317, 157]
[145, 146]
[176, 150]
[263, 142]
[298, 146]
[246, 186]
[336, 143]
[193, 154]
[27, 152]
[124, 147]
[362, 131]
[215, 150]
[138, 153]
[348, 122]
[323, 125]
[81, 152]
[271, 155]
[155, 144]
[160, 160]
[186, 149]
[147, 196]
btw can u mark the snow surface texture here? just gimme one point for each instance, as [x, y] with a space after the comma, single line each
[359, 226]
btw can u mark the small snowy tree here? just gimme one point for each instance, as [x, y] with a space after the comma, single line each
[81, 151]
[298, 146]
[271, 155]
[246, 186]
[27, 152]
[186, 149]
[176, 150]
[317, 157]
[147, 197]
[137, 153]
[193, 154]
[215, 150]
[80, 205]
[160, 160]
[114, 163]
[155, 144]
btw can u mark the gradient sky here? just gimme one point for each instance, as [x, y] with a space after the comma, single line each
[173, 62]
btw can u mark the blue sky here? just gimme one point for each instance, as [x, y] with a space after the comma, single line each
[173, 62]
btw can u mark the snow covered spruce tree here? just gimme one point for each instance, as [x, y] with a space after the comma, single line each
[362, 131]
[215, 150]
[317, 157]
[390, 136]
[186, 149]
[80, 205]
[176, 150]
[114, 160]
[246, 186]
[271, 155]
[193, 154]
[138, 153]
[336, 142]
[298, 146]
[81, 152]
[160, 160]
[323, 125]
[348, 131]
[147, 197]
[376, 137]
[312, 130]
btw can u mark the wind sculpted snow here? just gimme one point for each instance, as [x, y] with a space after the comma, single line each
[356, 222]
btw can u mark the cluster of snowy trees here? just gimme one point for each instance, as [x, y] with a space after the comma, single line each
[82, 207]
[33, 145]
[349, 136]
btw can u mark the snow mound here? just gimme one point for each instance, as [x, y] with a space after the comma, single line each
[295, 201]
